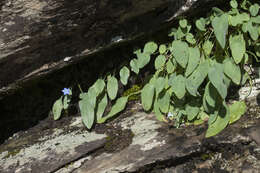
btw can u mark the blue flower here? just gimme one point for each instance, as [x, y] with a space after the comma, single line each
[170, 115]
[66, 91]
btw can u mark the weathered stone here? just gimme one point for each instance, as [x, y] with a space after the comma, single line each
[155, 147]
[50, 149]
[48, 45]
[40, 36]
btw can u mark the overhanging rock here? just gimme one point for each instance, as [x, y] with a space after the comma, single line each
[38, 36]
[48, 45]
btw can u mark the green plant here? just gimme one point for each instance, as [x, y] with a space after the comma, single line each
[192, 73]
[62, 103]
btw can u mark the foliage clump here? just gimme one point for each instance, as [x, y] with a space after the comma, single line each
[192, 73]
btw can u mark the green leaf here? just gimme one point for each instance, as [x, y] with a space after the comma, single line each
[164, 101]
[211, 95]
[254, 9]
[255, 19]
[237, 109]
[66, 101]
[183, 23]
[239, 19]
[207, 47]
[220, 26]
[101, 106]
[209, 109]
[87, 110]
[245, 77]
[190, 38]
[150, 47]
[134, 65]
[99, 86]
[233, 3]
[170, 67]
[220, 123]
[116, 108]
[243, 5]
[227, 81]
[216, 77]
[217, 11]
[194, 60]
[172, 32]
[232, 71]
[112, 87]
[197, 77]
[257, 48]
[147, 96]
[244, 17]
[159, 85]
[180, 52]
[178, 86]
[57, 108]
[143, 59]
[192, 109]
[238, 47]
[157, 112]
[124, 75]
[213, 117]
[179, 34]
[253, 31]
[93, 95]
[162, 49]
[200, 24]
[245, 27]
[159, 62]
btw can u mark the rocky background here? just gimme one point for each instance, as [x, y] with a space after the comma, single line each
[48, 45]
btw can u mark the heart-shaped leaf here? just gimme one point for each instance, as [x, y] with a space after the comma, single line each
[178, 86]
[143, 59]
[237, 109]
[238, 47]
[164, 101]
[124, 75]
[150, 47]
[180, 52]
[216, 77]
[232, 71]
[159, 62]
[220, 25]
[134, 65]
[87, 110]
[147, 96]
[200, 24]
[194, 59]
[101, 106]
[116, 108]
[197, 77]
[57, 108]
[112, 87]
[220, 123]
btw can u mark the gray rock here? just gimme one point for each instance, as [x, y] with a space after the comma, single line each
[154, 147]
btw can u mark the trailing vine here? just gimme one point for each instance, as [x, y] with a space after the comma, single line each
[192, 73]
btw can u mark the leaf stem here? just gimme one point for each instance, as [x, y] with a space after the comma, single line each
[80, 88]
[251, 53]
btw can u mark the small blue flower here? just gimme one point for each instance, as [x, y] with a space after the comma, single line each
[170, 115]
[66, 91]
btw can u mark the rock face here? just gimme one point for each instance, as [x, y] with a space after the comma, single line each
[134, 142]
[48, 45]
[37, 36]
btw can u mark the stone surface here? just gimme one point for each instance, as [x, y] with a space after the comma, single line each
[47, 150]
[48, 45]
[41, 36]
[65, 146]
